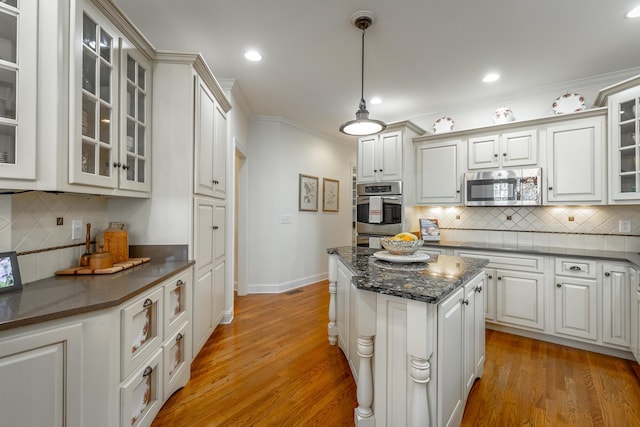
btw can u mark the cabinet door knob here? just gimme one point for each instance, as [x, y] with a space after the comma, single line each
[215, 227]
[499, 277]
[117, 164]
[147, 371]
[465, 301]
[558, 285]
[490, 276]
[147, 303]
[179, 283]
[458, 191]
[607, 274]
[478, 289]
[550, 188]
[504, 154]
[495, 154]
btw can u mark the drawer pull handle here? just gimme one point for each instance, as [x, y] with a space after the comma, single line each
[478, 289]
[179, 283]
[147, 371]
[465, 301]
[215, 227]
[147, 303]
[575, 268]
[179, 337]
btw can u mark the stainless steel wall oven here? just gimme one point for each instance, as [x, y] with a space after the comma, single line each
[379, 210]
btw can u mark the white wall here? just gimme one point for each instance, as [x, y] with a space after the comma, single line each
[285, 256]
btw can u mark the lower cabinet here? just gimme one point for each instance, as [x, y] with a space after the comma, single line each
[575, 307]
[41, 382]
[616, 316]
[520, 298]
[141, 394]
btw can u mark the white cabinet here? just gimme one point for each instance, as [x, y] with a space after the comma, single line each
[210, 143]
[209, 250]
[177, 356]
[634, 292]
[18, 83]
[438, 173]
[505, 150]
[616, 318]
[520, 298]
[576, 296]
[141, 395]
[380, 157]
[109, 142]
[624, 146]
[576, 162]
[343, 288]
[41, 378]
[460, 349]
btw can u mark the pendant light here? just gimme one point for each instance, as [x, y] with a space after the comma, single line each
[362, 125]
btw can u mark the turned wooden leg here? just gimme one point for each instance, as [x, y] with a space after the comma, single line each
[363, 414]
[420, 374]
[333, 286]
[333, 332]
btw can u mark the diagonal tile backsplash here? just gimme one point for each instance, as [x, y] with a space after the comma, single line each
[28, 223]
[587, 227]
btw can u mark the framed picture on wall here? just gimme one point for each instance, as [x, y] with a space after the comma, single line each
[307, 193]
[330, 195]
[9, 272]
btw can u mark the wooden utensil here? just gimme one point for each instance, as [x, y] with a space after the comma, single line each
[100, 260]
[84, 258]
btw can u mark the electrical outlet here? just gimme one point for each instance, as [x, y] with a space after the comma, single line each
[76, 229]
[624, 226]
[59, 220]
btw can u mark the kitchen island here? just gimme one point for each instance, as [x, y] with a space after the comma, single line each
[413, 334]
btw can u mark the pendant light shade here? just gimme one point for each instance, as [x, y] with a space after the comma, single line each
[362, 125]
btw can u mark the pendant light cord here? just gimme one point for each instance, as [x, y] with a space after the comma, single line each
[362, 102]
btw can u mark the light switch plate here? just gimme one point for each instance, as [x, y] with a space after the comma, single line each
[286, 219]
[624, 226]
[76, 229]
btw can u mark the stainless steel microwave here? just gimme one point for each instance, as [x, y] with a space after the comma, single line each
[514, 187]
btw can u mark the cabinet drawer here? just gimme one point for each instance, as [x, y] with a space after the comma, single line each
[141, 394]
[575, 267]
[177, 302]
[507, 260]
[141, 331]
[177, 360]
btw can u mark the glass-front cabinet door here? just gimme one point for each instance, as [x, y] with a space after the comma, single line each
[135, 111]
[111, 82]
[624, 108]
[18, 32]
[94, 154]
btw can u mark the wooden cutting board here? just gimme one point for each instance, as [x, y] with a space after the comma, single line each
[131, 262]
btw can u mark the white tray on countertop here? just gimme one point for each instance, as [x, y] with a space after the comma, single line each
[415, 257]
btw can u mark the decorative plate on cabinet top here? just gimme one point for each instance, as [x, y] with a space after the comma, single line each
[503, 115]
[568, 103]
[443, 124]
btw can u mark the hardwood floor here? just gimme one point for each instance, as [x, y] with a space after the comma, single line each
[273, 366]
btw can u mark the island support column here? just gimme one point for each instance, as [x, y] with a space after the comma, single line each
[422, 328]
[365, 327]
[333, 286]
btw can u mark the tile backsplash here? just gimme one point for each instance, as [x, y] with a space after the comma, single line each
[28, 223]
[582, 227]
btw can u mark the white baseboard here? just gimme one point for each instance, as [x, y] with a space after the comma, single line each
[277, 288]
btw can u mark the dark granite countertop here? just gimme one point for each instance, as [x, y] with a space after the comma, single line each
[62, 296]
[429, 282]
[631, 257]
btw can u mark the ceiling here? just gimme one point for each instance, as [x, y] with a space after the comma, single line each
[421, 56]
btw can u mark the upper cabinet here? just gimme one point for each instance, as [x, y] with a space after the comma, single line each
[438, 172]
[576, 161]
[210, 143]
[109, 142]
[505, 150]
[624, 146]
[18, 83]
[381, 157]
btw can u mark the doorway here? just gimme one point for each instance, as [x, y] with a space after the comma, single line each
[240, 214]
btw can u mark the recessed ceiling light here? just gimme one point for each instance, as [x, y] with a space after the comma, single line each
[375, 100]
[253, 56]
[633, 13]
[491, 77]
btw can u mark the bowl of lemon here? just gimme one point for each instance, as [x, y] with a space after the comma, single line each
[401, 244]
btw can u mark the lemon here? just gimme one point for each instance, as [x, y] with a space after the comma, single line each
[404, 236]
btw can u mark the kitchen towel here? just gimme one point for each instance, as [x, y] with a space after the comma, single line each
[375, 210]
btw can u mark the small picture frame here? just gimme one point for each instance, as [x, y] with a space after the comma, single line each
[330, 195]
[9, 272]
[307, 193]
